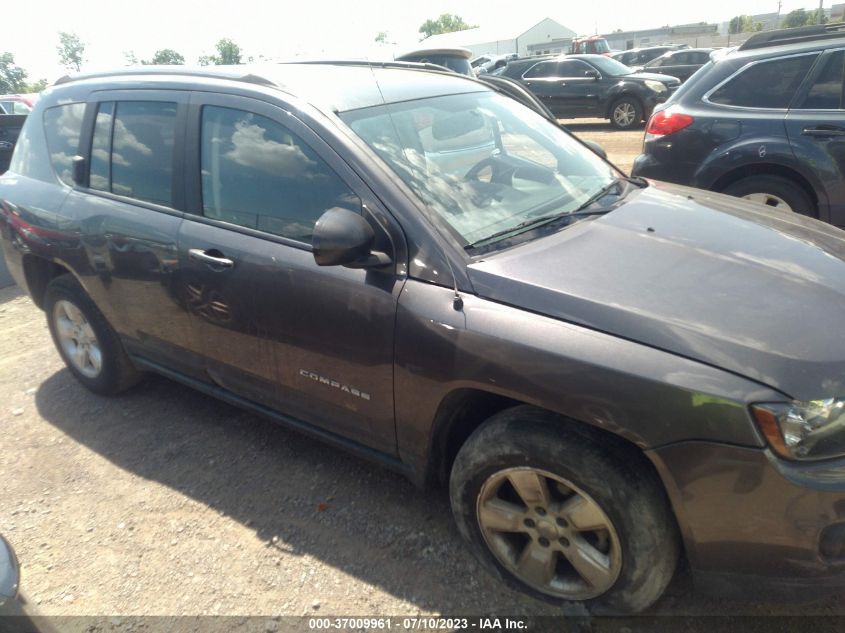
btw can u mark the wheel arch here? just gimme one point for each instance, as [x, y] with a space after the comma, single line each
[38, 273]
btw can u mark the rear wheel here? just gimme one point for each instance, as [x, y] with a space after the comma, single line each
[86, 342]
[626, 113]
[553, 513]
[773, 191]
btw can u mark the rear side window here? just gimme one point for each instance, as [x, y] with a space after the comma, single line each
[572, 68]
[62, 126]
[770, 84]
[258, 174]
[826, 91]
[132, 150]
[543, 69]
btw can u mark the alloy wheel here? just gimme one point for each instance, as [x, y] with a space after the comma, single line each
[768, 199]
[549, 533]
[624, 114]
[77, 339]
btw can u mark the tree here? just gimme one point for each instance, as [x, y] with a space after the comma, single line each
[71, 51]
[381, 38]
[166, 57]
[131, 58]
[12, 76]
[227, 53]
[817, 17]
[799, 17]
[35, 86]
[740, 24]
[446, 23]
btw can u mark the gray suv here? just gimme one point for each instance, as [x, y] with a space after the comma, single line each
[610, 376]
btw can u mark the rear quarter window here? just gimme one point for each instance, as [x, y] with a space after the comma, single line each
[767, 84]
[62, 126]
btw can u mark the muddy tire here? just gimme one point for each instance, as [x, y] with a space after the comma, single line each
[564, 513]
[86, 342]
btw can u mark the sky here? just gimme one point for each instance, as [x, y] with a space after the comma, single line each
[320, 27]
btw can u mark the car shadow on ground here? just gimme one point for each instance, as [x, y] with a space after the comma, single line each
[301, 496]
[575, 126]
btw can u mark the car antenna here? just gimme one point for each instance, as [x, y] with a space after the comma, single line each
[457, 300]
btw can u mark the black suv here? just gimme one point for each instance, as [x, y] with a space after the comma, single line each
[587, 86]
[681, 64]
[608, 375]
[764, 121]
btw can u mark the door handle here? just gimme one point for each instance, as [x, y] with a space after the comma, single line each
[213, 258]
[823, 132]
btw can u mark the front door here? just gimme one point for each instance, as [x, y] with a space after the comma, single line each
[315, 343]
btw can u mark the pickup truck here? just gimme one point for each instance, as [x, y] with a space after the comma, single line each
[10, 127]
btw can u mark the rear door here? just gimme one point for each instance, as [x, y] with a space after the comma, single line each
[315, 343]
[816, 128]
[128, 215]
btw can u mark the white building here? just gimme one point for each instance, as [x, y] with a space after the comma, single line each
[482, 40]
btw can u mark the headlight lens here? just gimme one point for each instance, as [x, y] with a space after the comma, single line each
[655, 85]
[804, 430]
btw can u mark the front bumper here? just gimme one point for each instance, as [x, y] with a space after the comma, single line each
[751, 521]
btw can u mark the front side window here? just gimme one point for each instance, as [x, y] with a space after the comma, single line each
[62, 127]
[486, 183]
[573, 68]
[132, 150]
[769, 84]
[826, 91]
[258, 174]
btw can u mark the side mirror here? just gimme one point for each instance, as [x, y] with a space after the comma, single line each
[78, 170]
[344, 238]
[592, 73]
[596, 148]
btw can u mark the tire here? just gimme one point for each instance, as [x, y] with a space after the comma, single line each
[86, 342]
[634, 113]
[634, 537]
[775, 191]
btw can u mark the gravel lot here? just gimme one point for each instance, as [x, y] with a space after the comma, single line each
[164, 501]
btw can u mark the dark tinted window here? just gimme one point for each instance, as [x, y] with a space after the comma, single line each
[826, 91]
[770, 84]
[132, 150]
[100, 175]
[573, 68]
[256, 173]
[699, 57]
[543, 69]
[62, 125]
[661, 61]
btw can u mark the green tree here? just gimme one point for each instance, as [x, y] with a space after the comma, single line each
[446, 23]
[12, 76]
[817, 17]
[35, 86]
[166, 57]
[227, 53]
[131, 58]
[799, 17]
[381, 38]
[71, 51]
[740, 24]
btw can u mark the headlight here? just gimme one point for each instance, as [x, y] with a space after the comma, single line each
[655, 85]
[804, 430]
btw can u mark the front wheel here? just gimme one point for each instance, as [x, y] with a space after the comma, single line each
[553, 513]
[626, 113]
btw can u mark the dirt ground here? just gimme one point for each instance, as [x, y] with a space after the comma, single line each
[621, 147]
[166, 502]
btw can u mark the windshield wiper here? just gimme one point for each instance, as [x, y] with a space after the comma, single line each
[580, 212]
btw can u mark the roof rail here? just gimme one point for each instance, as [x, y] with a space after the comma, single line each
[216, 72]
[377, 64]
[793, 36]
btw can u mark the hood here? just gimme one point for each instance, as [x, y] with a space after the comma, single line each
[666, 79]
[757, 292]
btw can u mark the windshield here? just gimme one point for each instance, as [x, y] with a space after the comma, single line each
[610, 67]
[482, 162]
[601, 46]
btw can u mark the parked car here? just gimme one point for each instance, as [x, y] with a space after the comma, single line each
[608, 374]
[10, 127]
[578, 86]
[488, 63]
[681, 63]
[589, 45]
[637, 57]
[516, 67]
[16, 104]
[764, 122]
[456, 59]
